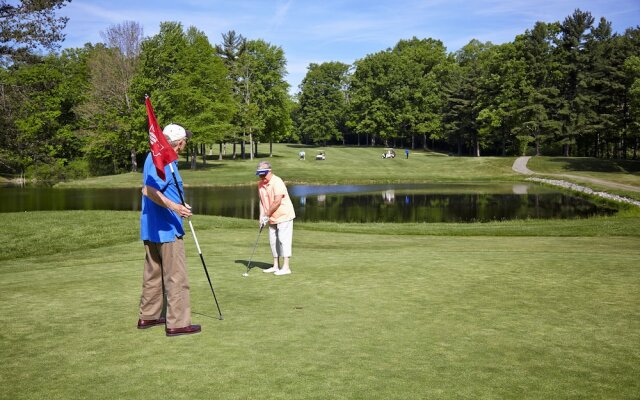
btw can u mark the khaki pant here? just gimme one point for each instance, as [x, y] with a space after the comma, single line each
[168, 259]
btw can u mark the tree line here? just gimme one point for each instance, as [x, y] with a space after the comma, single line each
[570, 88]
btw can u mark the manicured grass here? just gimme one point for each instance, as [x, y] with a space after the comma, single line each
[372, 311]
[533, 309]
[56, 232]
[343, 165]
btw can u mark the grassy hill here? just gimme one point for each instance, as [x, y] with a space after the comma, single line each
[342, 165]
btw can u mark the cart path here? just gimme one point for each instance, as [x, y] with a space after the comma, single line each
[520, 166]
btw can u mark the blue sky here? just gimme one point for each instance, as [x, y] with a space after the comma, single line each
[316, 31]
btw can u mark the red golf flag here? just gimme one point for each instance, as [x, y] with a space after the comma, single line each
[161, 152]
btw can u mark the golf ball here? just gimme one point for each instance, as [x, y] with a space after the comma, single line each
[245, 274]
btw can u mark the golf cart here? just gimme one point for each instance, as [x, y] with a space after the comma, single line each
[321, 155]
[389, 153]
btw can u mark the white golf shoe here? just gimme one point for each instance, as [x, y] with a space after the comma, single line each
[272, 269]
[282, 272]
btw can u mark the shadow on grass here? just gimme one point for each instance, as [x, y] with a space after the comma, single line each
[186, 166]
[214, 316]
[597, 165]
[302, 146]
[255, 264]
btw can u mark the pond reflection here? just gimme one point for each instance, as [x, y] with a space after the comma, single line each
[391, 206]
[342, 203]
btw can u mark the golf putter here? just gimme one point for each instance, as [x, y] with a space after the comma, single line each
[254, 251]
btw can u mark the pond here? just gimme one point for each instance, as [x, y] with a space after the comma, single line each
[341, 203]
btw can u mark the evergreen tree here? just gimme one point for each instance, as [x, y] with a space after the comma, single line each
[573, 58]
[27, 25]
[465, 96]
[231, 50]
[599, 104]
[632, 70]
[268, 91]
[625, 47]
[537, 113]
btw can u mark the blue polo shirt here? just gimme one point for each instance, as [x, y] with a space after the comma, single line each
[159, 224]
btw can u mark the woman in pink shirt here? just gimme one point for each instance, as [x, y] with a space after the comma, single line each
[276, 210]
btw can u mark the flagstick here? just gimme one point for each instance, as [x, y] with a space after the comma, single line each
[193, 232]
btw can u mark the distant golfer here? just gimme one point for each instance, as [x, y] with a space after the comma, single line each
[162, 231]
[276, 210]
[406, 153]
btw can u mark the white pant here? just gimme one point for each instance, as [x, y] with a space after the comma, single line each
[280, 238]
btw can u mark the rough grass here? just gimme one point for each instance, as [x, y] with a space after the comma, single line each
[621, 177]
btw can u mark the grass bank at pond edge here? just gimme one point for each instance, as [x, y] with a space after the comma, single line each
[51, 232]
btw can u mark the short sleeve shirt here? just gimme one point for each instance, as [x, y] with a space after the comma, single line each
[268, 192]
[159, 224]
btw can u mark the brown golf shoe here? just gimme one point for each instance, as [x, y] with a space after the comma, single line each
[148, 323]
[187, 330]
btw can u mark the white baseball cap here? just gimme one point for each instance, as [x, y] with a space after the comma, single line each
[175, 132]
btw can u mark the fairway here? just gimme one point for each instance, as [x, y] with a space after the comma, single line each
[451, 218]
[363, 316]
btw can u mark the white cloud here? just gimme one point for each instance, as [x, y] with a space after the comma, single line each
[281, 13]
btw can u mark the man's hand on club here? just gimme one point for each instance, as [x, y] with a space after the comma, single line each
[264, 221]
[183, 211]
[160, 199]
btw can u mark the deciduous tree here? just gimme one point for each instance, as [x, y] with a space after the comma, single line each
[323, 105]
[109, 109]
[187, 82]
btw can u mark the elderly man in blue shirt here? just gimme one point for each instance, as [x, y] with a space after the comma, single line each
[161, 231]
